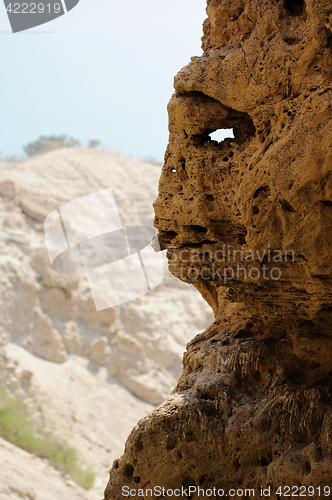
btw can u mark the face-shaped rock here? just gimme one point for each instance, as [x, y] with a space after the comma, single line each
[250, 218]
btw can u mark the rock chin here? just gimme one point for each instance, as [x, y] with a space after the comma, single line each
[248, 222]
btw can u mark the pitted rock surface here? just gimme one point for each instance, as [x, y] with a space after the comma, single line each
[248, 222]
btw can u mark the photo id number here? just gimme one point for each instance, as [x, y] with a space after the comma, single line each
[33, 8]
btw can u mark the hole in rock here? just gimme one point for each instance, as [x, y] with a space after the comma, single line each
[222, 134]
[236, 464]
[183, 164]
[287, 206]
[266, 460]
[139, 446]
[291, 41]
[264, 190]
[198, 229]
[329, 39]
[170, 443]
[237, 125]
[202, 480]
[327, 203]
[307, 468]
[182, 169]
[169, 234]
[190, 437]
[137, 479]
[295, 7]
[319, 454]
[165, 238]
[128, 471]
[173, 170]
[255, 210]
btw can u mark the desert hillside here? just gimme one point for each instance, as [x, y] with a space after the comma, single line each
[86, 376]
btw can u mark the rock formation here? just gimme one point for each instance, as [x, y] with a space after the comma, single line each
[248, 222]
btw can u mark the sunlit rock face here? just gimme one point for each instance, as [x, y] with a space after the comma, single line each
[266, 73]
[248, 221]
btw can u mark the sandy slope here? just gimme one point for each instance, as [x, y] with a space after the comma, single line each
[27, 477]
[83, 406]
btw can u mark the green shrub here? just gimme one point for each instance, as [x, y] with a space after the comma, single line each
[10, 159]
[94, 143]
[64, 141]
[17, 427]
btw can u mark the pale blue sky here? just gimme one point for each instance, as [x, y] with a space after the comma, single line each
[103, 71]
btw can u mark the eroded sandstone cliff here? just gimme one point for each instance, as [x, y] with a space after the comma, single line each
[248, 221]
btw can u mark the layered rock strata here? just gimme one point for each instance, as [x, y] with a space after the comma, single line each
[248, 222]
